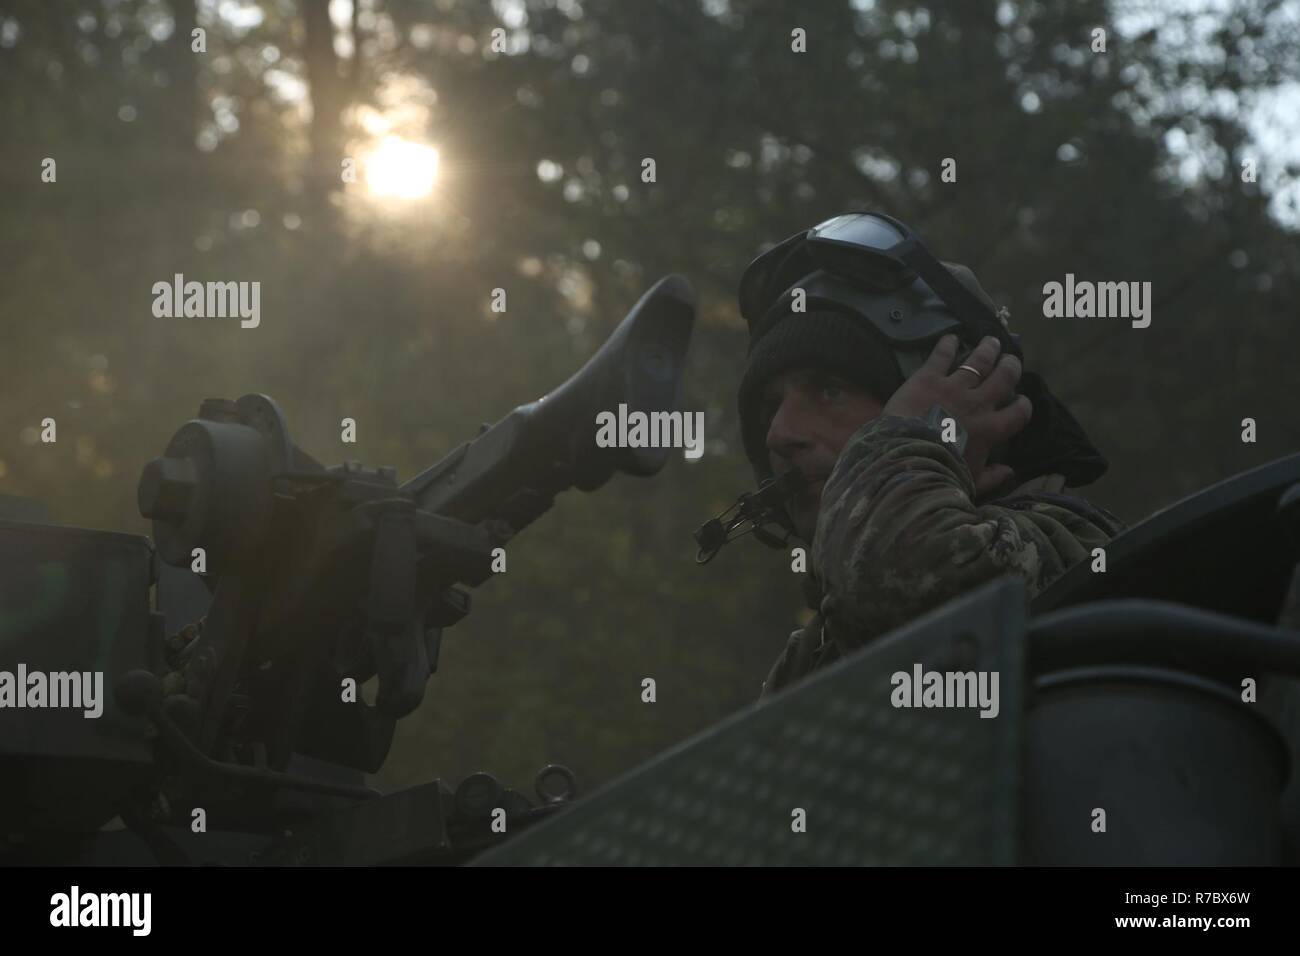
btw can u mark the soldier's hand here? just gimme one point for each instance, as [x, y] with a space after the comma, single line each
[985, 403]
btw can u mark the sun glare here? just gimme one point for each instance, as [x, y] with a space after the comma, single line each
[401, 169]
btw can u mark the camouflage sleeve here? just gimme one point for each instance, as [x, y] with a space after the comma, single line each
[898, 533]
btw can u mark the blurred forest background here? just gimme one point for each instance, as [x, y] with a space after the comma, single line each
[225, 165]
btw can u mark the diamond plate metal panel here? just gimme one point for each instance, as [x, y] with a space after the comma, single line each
[879, 785]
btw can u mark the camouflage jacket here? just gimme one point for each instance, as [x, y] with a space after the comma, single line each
[899, 534]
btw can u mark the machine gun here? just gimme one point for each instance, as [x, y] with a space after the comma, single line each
[318, 576]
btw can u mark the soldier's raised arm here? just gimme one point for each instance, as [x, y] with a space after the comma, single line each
[900, 533]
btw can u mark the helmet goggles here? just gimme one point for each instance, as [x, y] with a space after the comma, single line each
[864, 262]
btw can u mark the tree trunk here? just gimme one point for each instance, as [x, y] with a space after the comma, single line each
[328, 98]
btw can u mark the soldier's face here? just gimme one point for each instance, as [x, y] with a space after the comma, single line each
[810, 416]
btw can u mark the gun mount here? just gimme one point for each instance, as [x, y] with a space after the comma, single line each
[318, 576]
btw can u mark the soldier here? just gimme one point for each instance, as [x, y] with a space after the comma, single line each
[932, 462]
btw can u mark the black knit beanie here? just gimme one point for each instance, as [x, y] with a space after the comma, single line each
[844, 343]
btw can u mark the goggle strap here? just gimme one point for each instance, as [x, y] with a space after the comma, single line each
[973, 313]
